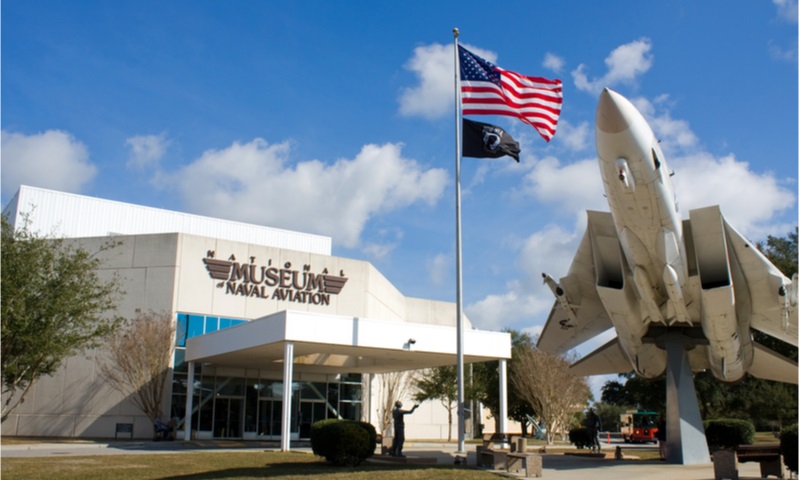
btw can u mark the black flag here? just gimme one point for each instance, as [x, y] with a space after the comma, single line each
[481, 140]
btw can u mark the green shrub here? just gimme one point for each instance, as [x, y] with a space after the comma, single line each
[580, 437]
[321, 436]
[343, 442]
[373, 434]
[728, 433]
[789, 447]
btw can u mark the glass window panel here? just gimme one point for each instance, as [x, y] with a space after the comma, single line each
[237, 322]
[312, 391]
[178, 408]
[251, 406]
[180, 365]
[351, 392]
[212, 324]
[333, 394]
[351, 377]
[179, 383]
[350, 411]
[224, 323]
[230, 386]
[271, 389]
[180, 330]
[195, 326]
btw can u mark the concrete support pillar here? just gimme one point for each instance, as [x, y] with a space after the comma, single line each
[288, 364]
[686, 437]
[502, 373]
[187, 424]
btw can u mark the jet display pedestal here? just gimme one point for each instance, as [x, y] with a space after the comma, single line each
[686, 437]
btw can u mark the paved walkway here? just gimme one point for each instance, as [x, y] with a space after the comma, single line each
[556, 466]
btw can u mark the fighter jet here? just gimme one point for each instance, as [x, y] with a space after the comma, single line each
[651, 275]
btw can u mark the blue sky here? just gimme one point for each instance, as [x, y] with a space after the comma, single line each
[337, 118]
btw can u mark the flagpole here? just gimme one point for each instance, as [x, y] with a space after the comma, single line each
[459, 315]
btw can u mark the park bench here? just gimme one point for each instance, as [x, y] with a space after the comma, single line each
[726, 461]
[767, 455]
[491, 453]
[514, 459]
[530, 463]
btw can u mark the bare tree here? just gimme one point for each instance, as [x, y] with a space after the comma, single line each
[543, 380]
[439, 383]
[392, 387]
[139, 358]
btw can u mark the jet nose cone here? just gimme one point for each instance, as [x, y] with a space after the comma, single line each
[610, 117]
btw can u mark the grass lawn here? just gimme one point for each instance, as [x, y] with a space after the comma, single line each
[221, 465]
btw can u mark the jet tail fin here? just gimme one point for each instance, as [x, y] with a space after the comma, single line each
[605, 360]
[770, 365]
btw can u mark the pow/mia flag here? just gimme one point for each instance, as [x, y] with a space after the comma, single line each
[481, 140]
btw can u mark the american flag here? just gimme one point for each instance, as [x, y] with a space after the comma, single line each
[487, 89]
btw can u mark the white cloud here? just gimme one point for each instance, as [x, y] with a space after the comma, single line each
[787, 10]
[146, 151]
[674, 135]
[495, 310]
[625, 64]
[527, 300]
[549, 250]
[378, 251]
[575, 138]
[434, 66]
[572, 188]
[433, 96]
[256, 182]
[783, 54]
[553, 62]
[53, 159]
[749, 200]
[437, 269]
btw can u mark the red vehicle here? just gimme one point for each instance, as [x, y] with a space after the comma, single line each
[639, 426]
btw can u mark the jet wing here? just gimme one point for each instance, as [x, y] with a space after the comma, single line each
[579, 315]
[769, 290]
[771, 365]
[605, 360]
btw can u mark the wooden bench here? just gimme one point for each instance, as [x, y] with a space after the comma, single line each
[530, 463]
[767, 455]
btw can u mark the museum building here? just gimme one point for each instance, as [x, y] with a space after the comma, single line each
[273, 332]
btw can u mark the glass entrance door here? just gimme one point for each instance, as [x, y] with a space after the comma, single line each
[228, 414]
[269, 418]
[310, 412]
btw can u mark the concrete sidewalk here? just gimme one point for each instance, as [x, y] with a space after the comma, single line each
[556, 466]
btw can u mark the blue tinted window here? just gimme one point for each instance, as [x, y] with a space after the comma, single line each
[180, 330]
[237, 322]
[195, 326]
[212, 324]
[224, 323]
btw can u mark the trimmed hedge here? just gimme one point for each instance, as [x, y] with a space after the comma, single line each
[580, 437]
[789, 447]
[343, 442]
[728, 433]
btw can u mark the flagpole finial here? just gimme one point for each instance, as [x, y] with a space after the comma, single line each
[455, 32]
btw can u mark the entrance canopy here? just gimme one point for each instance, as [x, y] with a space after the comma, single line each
[337, 344]
[319, 343]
